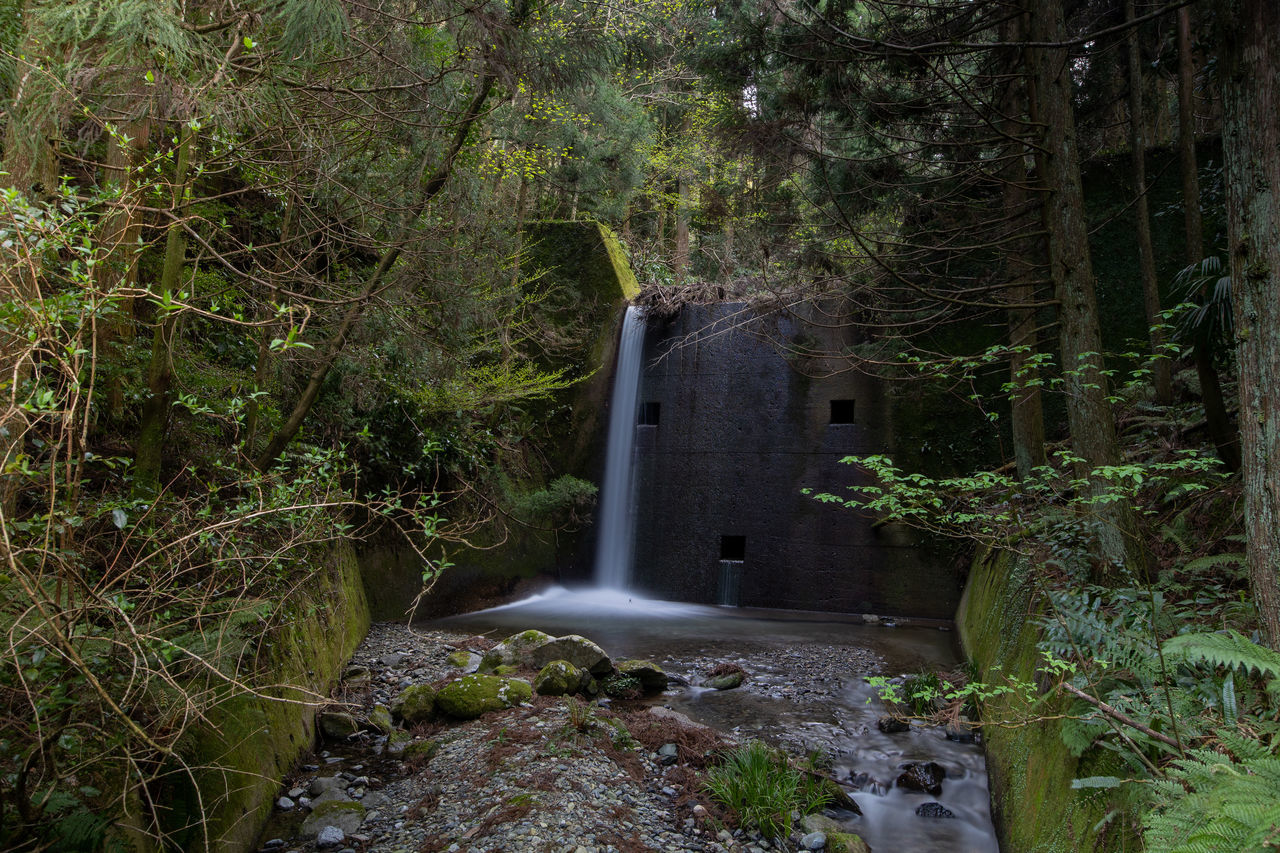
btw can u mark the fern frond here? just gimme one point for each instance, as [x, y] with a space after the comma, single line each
[1225, 648]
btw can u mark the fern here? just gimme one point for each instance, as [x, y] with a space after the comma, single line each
[1218, 801]
[1235, 561]
[1224, 648]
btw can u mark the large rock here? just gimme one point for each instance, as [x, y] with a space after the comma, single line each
[934, 810]
[473, 695]
[380, 720]
[648, 673]
[846, 842]
[559, 678]
[338, 725]
[515, 650]
[346, 816]
[416, 703]
[575, 649]
[727, 681]
[923, 776]
[818, 823]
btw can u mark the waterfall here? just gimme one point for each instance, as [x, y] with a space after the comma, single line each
[615, 523]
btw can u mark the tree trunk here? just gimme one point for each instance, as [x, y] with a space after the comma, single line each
[1093, 437]
[1221, 433]
[680, 261]
[1162, 375]
[121, 230]
[1026, 410]
[149, 450]
[1249, 72]
[335, 344]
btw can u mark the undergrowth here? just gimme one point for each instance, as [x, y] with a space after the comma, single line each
[762, 787]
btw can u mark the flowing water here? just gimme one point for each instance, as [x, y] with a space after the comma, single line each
[805, 692]
[615, 517]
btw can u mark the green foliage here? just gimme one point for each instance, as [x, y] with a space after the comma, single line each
[1219, 799]
[1228, 649]
[763, 788]
[566, 499]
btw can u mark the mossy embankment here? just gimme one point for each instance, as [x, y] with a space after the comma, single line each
[1030, 768]
[249, 741]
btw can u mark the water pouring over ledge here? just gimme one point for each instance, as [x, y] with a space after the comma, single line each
[616, 521]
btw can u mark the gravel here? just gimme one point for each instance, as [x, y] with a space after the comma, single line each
[562, 776]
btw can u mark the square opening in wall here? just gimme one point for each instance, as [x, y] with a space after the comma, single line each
[733, 548]
[842, 411]
[649, 413]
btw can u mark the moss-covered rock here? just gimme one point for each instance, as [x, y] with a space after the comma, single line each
[651, 677]
[465, 660]
[727, 681]
[575, 649]
[515, 650]
[347, 815]
[381, 721]
[397, 742]
[846, 842]
[559, 678]
[415, 703]
[473, 695]
[338, 725]
[421, 749]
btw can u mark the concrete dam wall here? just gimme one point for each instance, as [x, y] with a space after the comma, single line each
[734, 419]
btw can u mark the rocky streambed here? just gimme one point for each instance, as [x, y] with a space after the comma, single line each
[406, 764]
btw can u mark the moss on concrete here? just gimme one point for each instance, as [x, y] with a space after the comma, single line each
[250, 742]
[583, 254]
[1030, 769]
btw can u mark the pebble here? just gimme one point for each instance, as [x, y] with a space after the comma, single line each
[285, 804]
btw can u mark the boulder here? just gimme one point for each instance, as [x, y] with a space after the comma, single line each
[838, 797]
[423, 749]
[814, 841]
[933, 810]
[337, 725]
[380, 720]
[926, 776]
[415, 703]
[575, 649]
[514, 650]
[472, 695]
[728, 681]
[356, 676]
[892, 725]
[346, 816]
[559, 678]
[322, 784]
[846, 842]
[464, 660]
[818, 823]
[651, 677]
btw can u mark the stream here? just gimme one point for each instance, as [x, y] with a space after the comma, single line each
[805, 692]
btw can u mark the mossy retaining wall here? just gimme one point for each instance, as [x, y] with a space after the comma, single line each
[1030, 769]
[250, 742]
